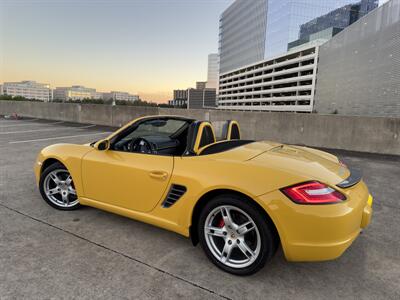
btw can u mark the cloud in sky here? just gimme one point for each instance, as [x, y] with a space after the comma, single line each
[145, 46]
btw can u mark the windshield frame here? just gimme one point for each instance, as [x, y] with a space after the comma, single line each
[186, 122]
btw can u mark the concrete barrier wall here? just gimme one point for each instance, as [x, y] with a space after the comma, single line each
[355, 133]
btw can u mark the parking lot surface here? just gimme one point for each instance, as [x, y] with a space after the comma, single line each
[88, 253]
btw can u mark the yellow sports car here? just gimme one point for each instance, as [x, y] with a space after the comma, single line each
[240, 199]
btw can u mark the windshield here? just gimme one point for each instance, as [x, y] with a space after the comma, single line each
[157, 127]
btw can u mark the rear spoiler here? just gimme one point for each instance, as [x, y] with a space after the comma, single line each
[353, 179]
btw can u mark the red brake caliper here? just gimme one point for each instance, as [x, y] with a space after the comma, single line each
[221, 223]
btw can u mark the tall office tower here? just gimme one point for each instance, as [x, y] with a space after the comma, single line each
[251, 31]
[242, 29]
[213, 71]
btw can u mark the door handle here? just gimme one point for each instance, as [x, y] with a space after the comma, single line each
[159, 175]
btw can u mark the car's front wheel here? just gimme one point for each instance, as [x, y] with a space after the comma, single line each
[57, 187]
[235, 235]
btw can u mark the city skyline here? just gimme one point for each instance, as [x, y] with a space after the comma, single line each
[136, 46]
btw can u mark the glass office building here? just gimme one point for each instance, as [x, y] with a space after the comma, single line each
[255, 30]
[291, 22]
[242, 28]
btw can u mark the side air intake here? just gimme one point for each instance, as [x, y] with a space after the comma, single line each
[175, 193]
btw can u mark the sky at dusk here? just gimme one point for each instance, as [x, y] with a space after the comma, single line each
[149, 47]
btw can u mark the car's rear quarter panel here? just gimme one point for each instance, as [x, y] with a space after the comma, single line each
[317, 232]
[212, 172]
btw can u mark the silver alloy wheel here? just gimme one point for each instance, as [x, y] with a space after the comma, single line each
[232, 236]
[59, 188]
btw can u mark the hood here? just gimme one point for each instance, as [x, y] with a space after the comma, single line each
[308, 163]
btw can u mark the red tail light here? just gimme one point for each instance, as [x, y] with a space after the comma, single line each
[313, 192]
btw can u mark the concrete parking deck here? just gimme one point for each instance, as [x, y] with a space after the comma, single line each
[88, 253]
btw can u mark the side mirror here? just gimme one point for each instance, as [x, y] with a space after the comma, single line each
[102, 145]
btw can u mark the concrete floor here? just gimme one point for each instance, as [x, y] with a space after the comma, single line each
[46, 253]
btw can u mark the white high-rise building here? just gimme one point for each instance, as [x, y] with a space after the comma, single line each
[28, 89]
[213, 71]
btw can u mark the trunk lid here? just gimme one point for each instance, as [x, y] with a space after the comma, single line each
[311, 164]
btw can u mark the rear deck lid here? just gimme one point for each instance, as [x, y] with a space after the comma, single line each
[247, 151]
[310, 163]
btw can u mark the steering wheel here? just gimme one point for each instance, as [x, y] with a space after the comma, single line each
[141, 145]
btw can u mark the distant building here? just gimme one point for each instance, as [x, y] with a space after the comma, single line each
[180, 98]
[28, 89]
[285, 83]
[201, 85]
[75, 92]
[120, 96]
[180, 94]
[213, 71]
[210, 98]
[201, 98]
[178, 103]
[97, 95]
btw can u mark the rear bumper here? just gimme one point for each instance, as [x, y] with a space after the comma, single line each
[319, 232]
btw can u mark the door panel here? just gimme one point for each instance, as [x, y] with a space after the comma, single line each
[134, 181]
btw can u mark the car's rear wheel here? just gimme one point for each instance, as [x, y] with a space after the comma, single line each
[57, 187]
[235, 235]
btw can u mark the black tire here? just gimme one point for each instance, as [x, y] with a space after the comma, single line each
[268, 239]
[43, 175]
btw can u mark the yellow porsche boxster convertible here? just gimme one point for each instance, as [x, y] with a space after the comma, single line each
[240, 199]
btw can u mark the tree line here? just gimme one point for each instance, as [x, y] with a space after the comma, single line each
[91, 101]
